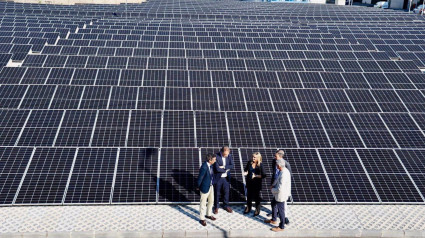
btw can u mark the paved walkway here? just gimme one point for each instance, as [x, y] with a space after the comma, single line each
[182, 221]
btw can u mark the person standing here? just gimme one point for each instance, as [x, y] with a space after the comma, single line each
[255, 173]
[281, 189]
[206, 188]
[279, 155]
[222, 178]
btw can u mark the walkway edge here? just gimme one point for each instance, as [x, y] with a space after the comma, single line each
[221, 234]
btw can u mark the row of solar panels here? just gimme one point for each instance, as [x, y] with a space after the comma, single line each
[219, 16]
[151, 175]
[224, 99]
[141, 128]
[212, 53]
[220, 64]
[170, 24]
[211, 79]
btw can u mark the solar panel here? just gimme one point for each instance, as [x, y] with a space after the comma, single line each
[46, 179]
[177, 181]
[349, 180]
[309, 131]
[92, 176]
[11, 123]
[156, 82]
[76, 128]
[178, 129]
[144, 129]
[136, 176]
[13, 165]
[111, 128]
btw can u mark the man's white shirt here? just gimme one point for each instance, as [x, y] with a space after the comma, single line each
[224, 175]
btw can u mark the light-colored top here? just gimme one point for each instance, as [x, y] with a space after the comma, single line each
[281, 187]
[224, 175]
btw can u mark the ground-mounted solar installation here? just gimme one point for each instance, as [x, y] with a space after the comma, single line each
[119, 104]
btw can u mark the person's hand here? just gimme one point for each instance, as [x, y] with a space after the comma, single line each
[245, 173]
[253, 176]
[221, 167]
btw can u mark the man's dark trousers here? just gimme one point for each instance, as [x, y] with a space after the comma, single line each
[222, 183]
[280, 207]
[274, 210]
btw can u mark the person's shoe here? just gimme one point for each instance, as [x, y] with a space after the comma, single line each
[215, 211]
[269, 214]
[257, 212]
[277, 229]
[268, 221]
[247, 210]
[228, 209]
[211, 218]
[203, 222]
[286, 221]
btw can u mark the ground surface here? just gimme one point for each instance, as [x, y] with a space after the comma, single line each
[157, 220]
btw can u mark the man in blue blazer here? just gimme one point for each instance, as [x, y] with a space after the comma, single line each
[205, 185]
[222, 178]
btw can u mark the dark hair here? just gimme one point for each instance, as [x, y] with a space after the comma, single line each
[224, 148]
[209, 157]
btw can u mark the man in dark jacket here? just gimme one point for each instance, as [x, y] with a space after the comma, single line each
[205, 185]
[222, 178]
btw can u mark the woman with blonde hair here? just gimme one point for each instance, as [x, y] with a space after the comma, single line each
[255, 173]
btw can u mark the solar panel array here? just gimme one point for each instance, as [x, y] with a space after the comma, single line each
[119, 104]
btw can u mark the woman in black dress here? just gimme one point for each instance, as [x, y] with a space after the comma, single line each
[255, 173]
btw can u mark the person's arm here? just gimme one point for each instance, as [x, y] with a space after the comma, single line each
[263, 172]
[218, 169]
[287, 185]
[202, 173]
[231, 165]
[278, 184]
[246, 167]
[288, 166]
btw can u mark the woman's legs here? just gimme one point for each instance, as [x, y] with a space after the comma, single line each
[248, 200]
[257, 199]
